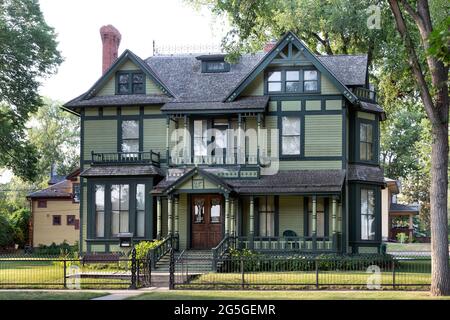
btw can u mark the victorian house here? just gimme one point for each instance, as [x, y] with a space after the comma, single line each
[275, 152]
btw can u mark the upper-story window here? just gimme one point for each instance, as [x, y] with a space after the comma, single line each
[130, 136]
[130, 82]
[290, 136]
[216, 66]
[366, 142]
[200, 138]
[76, 192]
[292, 81]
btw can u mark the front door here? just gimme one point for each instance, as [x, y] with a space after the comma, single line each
[207, 217]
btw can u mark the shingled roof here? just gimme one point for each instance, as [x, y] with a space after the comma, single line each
[126, 170]
[398, 207]
[358, 172]
[248, 104]
[62, 189]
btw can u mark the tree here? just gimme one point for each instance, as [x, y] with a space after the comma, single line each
[28, 53]
[435, 101]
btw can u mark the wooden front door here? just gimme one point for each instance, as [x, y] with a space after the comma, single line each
[207, 218]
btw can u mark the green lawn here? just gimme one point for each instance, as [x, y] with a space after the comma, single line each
[398, 247]
[286, 295]
[42, 295]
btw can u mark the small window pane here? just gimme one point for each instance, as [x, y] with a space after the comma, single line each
[140, 224]
[138, 78]
[293, 86]
[274, 76]
[274, 86]
[130, 129]
[215, 210]
[115, 197]
[124, 221]
[123, 88]
[138, 88]
[310, 75]
[291, 125]
[292, 75]
[310, 85]
[130, 146]
[100, 197]
[100, 224]
[124, 78]
[363, 151]
[291, 145]
[199, 210]
[140, 197]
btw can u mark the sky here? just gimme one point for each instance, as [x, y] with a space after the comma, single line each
[77, 24]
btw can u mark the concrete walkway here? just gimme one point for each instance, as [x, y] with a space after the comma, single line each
[124, 294]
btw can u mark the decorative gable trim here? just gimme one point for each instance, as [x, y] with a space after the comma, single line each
[126, 55]
[276, 51]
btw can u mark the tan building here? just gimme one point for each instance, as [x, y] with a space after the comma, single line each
[396, 217]
[55, 211]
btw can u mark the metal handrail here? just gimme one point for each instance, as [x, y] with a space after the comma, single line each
[161, 250]
[222, 248]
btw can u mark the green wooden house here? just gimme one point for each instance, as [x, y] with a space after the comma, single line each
[295, 164]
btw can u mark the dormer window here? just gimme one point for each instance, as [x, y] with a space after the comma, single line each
[214, 63]
[292, 80]
[130, 82]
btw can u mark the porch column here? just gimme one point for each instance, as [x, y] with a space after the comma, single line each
[227, 215]
[411, 227]
[239, 144]
[185, 140]
[176, 217]
[334, 223]
[252, 223]
[314, 223]
[158, 218]
[169, 215]
[258, 137]
[167, 138]
[232, 220]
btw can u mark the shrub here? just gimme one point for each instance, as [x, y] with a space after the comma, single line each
[54, 249]
[144, 247]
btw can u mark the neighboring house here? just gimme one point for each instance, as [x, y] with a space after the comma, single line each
[397, 218]
[55, 211]
[325, 197]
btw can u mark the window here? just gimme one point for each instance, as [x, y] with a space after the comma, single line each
[266, 216]
[290, 138]
[320, 217]
[76, 192]
[130, 136]
[215, 66]
[366, 142]
[42, 204]
[100, 211]
[130, 82]
[119, 208]
[274, 81]
[292, 81]
[367, 214]
[56, 220]
[140, 210]
[200, 138]
[311, 81]
[70, 220]
[216, 208]
[199, 210]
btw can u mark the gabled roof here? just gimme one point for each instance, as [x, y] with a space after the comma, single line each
[285, 40]
[62, 189]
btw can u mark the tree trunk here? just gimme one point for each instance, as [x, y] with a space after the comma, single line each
[440, 276]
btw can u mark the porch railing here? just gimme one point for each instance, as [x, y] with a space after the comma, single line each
[222, 248]
[365, 94]
[300, 244]
[149, 157]
[169, 242]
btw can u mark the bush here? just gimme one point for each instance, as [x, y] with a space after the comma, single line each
[6, 232]
[144, 247]
[62, 249]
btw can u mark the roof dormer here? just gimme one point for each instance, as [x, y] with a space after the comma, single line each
[214, 63]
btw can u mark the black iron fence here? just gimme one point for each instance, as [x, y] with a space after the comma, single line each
[92, 273]
[303, 272]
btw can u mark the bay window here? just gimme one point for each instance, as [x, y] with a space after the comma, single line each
[366, 142]
[120, 208]
[100, 211]
[367, 214]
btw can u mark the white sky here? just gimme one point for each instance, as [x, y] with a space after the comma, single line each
[77, 24]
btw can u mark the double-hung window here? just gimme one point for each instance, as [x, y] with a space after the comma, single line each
[310, 80]
[140, 210]
[200, 138]
[367, 214]
[293, 81]
[290, 139]
[130, 136]
[274, 83]
[366, 142]
[130, 82]
[120, 199]
[267, 216]
[99, 211]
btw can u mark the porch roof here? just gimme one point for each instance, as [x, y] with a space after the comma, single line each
[124, 170]
[368, 173]
[399, 207]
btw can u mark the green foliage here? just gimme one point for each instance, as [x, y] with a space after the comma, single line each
[6, 234]
[402, 237]
[29, 53]
[143, 248]
[63, 249]
[19, 220]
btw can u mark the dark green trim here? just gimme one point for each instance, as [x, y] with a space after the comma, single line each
[130, 74]
[82, 184]
[305, 217]
[276, 202]
[289, 37]
[326, 216]
[283, 81]
[355, 122]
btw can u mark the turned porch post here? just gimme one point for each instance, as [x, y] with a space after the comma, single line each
[232, 220]
[252, 223]
[239, 144]
[158, 218]
[334, 222]
[227, 215]
[314, 223]
[176, 217]
[167, 139]
[169, 215]
[185, 140]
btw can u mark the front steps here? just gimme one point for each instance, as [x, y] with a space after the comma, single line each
[196, 261]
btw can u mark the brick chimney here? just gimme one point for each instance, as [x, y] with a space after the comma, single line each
[269, 45]
[111, 40]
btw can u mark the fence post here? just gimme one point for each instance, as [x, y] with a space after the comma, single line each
[65, 274]
[317, 273]
[171, 270]
[214, 262]
[242, 273]
[133, 270]
[393, 274]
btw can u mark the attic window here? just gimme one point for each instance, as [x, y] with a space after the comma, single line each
[214, 63]
[130, 82]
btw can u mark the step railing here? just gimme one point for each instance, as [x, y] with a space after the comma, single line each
[168, 243]
[221, 249]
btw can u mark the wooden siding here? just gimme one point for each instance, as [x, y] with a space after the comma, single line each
[154, 109]
[273, 106]
[328, 87]
[291, 214]
[313, 105]
[44, 232]
[255, 88]
[333, 104]
[84, 219]
[91, 112]
[99, 136]
[290, 105]
[365, 115]
[130, 111]
[155, 135]
[323, 135]
[183, 219]
[310, 165]
[109, 111]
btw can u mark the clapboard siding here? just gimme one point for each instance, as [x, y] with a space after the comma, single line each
[323, 135]
[99, 136]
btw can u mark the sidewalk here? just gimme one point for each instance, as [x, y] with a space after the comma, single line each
[124, 294]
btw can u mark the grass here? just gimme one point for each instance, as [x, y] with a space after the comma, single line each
[42, 295]
[286, 295]
[414, 247]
